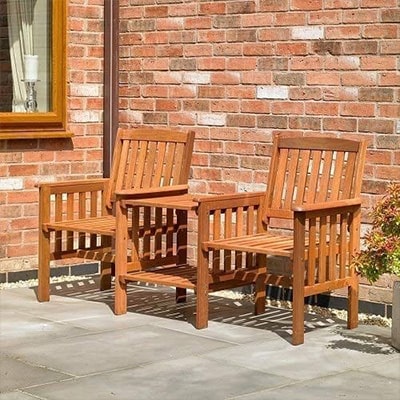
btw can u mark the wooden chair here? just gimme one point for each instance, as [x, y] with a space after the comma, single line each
[309, 215]
[77, 218]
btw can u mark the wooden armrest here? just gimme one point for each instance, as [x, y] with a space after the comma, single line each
[326, 205]
[71, 184]
[214, 202]
[152, 192]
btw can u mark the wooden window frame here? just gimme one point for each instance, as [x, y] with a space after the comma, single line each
[17, 125]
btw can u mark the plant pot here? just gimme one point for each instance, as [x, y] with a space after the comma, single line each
[396, 316]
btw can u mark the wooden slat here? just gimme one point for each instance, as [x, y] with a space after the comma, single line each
[322, 253]
[159, 164]
[169, 164]
[279, 179]
[301, 184]
[131, 171]
[337, 176]
[332, 247]
[289, 191]
[312, 249]
[312, 189]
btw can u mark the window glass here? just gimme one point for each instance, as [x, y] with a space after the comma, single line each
[25, 54]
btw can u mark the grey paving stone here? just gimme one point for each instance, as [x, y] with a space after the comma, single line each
[187, 378]
[16, 396]
[220, 331]
[95, 353]
[389, 368]
[316, 357]
[16, 374]
[17, 328]
[350, 385]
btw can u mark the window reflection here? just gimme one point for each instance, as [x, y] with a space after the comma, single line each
[25, 53]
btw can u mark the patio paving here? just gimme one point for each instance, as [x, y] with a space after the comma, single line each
[74, 347]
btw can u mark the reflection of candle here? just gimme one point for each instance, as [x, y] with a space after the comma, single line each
[31, 68]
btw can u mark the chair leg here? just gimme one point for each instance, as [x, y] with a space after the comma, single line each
[105, 275]
[260, 294]
[202, 289]
[180, 295]
[202, 309]
[298, 319]
[352, 312]
[121, 298]
[44, 266]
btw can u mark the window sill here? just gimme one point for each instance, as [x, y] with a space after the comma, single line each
[35, 135]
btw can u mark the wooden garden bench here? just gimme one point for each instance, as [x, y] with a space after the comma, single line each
[77, 218]
[308, 216]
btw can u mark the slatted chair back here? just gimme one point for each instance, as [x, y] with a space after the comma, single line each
[307, 170]
[149, 158]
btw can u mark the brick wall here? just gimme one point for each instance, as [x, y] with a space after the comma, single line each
[238, 71]
[24, 163]
[234, 71]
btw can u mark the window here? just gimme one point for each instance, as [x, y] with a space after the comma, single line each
[32, 66]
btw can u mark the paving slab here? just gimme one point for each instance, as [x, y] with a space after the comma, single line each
[350, 385]
[74, 347]
[190, 377]
[17, 374]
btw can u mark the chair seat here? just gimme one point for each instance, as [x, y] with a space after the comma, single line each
[97, 225]
[261, 243]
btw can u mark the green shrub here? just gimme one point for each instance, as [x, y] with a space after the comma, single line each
[381, 253]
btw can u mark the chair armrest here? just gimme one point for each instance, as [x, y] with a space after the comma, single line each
[327, 207]
[74, 185]
[151, 192]
[224, 201]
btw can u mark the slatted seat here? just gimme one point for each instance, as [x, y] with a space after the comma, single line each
[77, 218]
[309, 216]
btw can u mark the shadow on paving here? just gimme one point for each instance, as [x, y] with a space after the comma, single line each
[160, 302]
[364, 342]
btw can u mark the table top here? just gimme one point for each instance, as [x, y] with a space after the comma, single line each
[179, 202]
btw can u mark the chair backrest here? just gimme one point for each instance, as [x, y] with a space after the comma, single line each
[146, 158]
[314, 169]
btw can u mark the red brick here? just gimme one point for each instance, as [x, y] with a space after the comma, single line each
[213, 63]
[287, 107]
[338, 4]
[358, 78]
[307, 4]
[326, 17]
[167, 105]
[225, 106]
[360, 16]
[357, 109]
[290, 18]
[241, 64]
[378, 62]
[376, 125]
[256, 78]
[274, 5]
[212, 8]
[343, 32]
[340, 124]
[389, 79]
[275, 33]
[255, 106]
[389, 110]
[198, 23]
[390, 47]
[322, 78]
[378, 3]
[381, 31]
[298, 48]
[306, 63]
